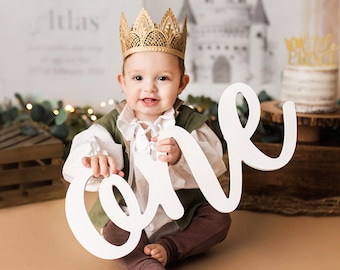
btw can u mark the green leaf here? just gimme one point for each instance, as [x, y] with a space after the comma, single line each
[60, 132]
[49, 118]
[47, 105]
[38, 113]
[191, 99]
[206, 102]
[61, 117]
[14, 112]
[4, 117]
[60, 104]
[20, 99]
[23, 117]
[263, 96]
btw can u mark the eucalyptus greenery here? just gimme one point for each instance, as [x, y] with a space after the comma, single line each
[42, 117]
[65, 125]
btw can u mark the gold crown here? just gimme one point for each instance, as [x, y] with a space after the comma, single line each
[145, 36]
[294, 43]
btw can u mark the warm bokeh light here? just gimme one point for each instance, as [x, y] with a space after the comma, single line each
[69, 108]
[29, 106]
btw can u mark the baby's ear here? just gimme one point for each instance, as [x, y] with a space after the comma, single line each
[121, 80]
[184, 82]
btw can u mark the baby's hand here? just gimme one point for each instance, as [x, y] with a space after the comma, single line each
[101, 165]
[169, 146]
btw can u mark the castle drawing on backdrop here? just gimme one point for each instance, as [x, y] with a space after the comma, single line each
[227, 41]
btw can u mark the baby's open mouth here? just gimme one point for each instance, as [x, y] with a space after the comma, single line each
[149, 100]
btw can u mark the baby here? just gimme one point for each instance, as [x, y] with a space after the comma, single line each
[153, 75]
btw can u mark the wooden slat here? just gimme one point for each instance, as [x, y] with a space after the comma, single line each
[4, 131]
[17, 147]
[16, 140]
[8, 134]
[9, 128]
[49, 149]
[313, 173]
[18, 197]
[21, 140]
[271, 111]
[27, 141]
[30, 174]
[30, 167]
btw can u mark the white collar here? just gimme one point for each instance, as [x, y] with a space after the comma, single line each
[130, 126]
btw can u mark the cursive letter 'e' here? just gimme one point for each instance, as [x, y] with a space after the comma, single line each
[240, 147]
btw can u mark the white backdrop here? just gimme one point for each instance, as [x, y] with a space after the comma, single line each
[287, 18]
[70, 50]
[62, 49]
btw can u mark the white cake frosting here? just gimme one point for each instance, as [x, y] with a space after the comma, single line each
[313, 89]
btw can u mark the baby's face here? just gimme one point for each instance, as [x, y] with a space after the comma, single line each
[151, 83]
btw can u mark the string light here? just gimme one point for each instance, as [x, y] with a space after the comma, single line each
[69, 108]
[29, 106]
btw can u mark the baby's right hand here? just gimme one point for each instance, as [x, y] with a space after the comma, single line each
[101, 165]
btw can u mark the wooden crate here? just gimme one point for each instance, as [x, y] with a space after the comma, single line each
[312, 173]
[308, 185]
[30, 167]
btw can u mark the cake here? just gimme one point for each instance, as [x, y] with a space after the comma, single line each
[313, 89]
[310, 78]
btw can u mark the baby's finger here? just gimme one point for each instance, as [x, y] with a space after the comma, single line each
[164, 158]
[86, 161]
[95, 166]
[113, 166]
[104, 167]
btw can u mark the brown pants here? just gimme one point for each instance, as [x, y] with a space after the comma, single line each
[207, 228]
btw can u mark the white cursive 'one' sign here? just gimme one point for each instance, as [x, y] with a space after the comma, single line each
[240, 149]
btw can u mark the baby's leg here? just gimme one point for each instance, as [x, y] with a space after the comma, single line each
[207, 228]
[137, 259]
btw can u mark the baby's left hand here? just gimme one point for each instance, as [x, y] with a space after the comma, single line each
[169, 146]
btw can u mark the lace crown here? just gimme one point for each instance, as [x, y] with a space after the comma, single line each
[145, 36]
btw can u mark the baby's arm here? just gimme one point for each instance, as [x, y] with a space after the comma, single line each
[91, 143]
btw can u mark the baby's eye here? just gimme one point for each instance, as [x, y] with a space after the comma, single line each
[137, 78]
[162, 78]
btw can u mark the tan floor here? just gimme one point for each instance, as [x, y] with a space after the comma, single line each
[36, 237]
